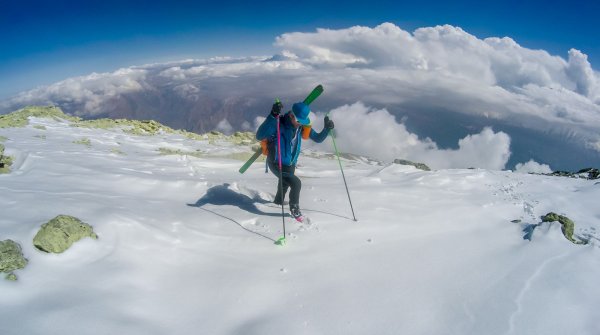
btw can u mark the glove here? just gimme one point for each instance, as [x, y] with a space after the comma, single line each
[276, 109]
[328, 123]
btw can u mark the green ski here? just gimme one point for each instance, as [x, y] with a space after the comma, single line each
[309, 99]
[249, 162]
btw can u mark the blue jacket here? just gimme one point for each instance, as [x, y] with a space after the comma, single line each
[291, 139]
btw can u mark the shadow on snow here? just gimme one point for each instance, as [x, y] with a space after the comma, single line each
[222, 195]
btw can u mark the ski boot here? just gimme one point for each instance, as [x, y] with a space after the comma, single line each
[296, 214]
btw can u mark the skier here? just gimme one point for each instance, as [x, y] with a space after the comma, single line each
[294, 126]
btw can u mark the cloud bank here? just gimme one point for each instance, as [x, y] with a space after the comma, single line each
[464, 101]
[375, 133]
[532, 166]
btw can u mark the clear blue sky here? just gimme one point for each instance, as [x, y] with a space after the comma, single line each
[45, 41]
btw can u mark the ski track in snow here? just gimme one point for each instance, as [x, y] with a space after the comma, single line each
[527, 287]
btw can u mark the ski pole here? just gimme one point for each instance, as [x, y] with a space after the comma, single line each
[281, 240]
[341, 169]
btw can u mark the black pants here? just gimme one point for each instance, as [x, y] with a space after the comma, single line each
[289, 181]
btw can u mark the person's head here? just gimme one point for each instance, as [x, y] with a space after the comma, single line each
[299, 114]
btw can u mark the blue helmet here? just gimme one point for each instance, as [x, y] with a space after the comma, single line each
[301, 111]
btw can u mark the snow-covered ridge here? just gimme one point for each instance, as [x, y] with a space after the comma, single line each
[186, 243]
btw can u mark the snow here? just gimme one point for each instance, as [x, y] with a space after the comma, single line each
[186, 244]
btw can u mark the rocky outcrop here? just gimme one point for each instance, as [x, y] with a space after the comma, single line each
[11, 258]
[587, 173]
[60, 233]
[5, 161]
[21, 117]
[420, 166]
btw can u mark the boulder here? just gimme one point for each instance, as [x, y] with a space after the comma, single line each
[587, 173]
[58, 234]
[591, 173]
[11, 258]
[420, 166]
[567, 225]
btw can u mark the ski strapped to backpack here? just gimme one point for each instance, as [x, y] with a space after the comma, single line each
[314, 94]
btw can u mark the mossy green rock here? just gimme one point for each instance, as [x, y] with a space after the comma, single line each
[11, 258]
[5, 161]
[61, 232]
[20, 118]
[420, 166]
[241, 138]
[567, 225]
[169, 151]
[84, 141]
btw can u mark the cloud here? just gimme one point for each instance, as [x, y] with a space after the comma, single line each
[91, 93]
[377, 134]
[258, 121]
[580, 71]
[225, 127]
[434, 76]
[532, 167]
[187, 91]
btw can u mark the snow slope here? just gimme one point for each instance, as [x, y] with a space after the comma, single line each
[186, 244]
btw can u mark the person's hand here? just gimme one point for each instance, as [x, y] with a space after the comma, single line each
[276, 109]
[328, 123]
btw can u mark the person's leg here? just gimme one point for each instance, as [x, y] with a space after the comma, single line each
[278, 198]
[294, 183]
[287, 179]
[295, 187]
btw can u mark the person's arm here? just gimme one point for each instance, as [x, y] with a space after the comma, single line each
[269, 126]
[320, 137]
[267, 129]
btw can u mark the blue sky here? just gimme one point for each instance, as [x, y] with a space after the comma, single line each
[45, 41]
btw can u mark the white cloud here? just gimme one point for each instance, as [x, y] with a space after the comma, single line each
[258, 121]
[246, 126]
[187, 91]
[533, 167]
[90, 94]
[225, 127]
[580, 71]
[377, 134]
[487, 149]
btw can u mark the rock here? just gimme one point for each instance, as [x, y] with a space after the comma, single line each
[21, 117]
[60, 233]
[420, 166]
[587, 173]
[84, 141]
[591, 173]
[5, 161]
[11, 258]
[568, 226]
